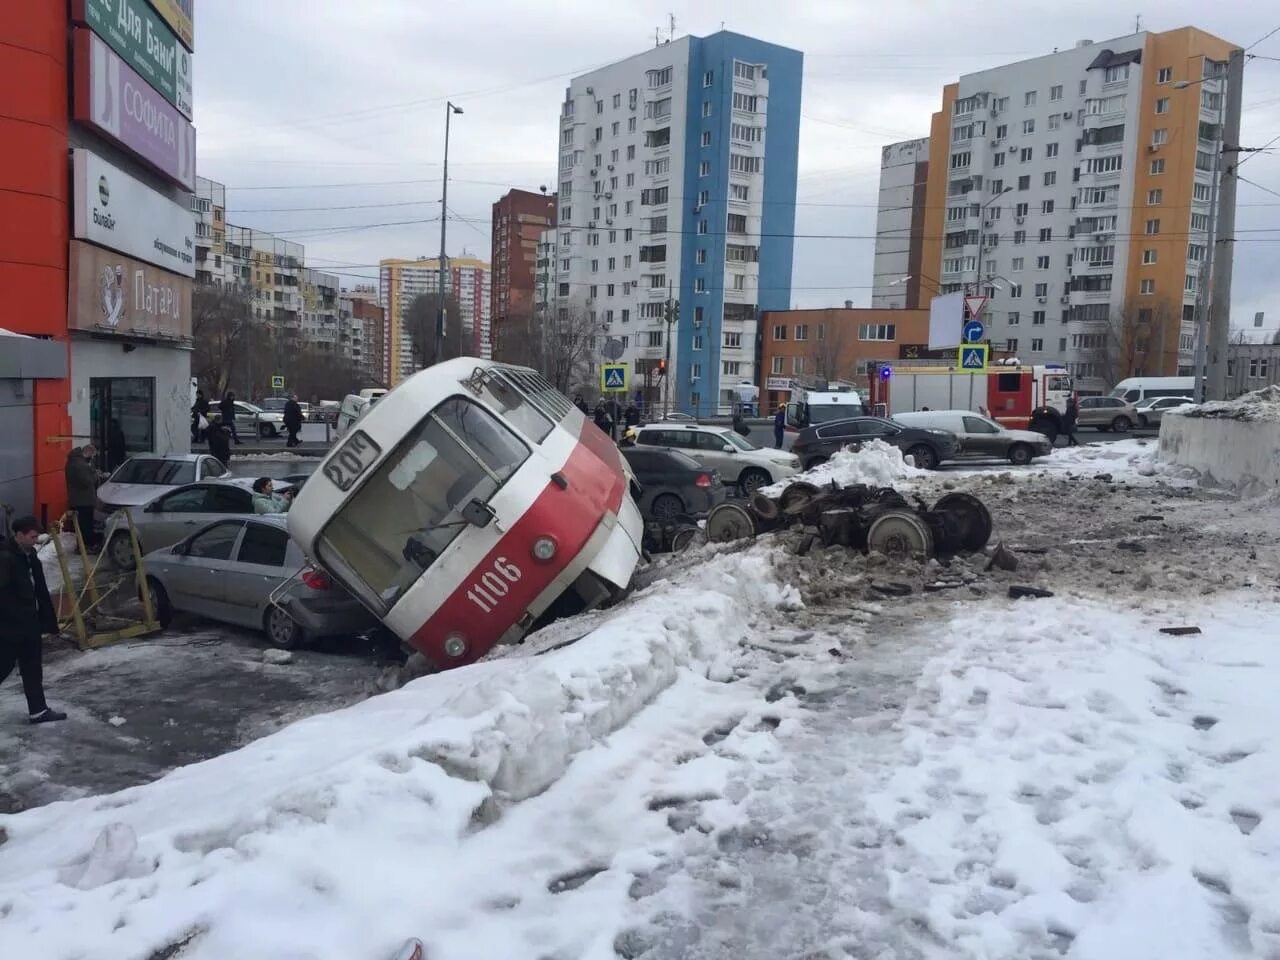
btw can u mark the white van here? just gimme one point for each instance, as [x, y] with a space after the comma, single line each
[352, 409]
[1133, 389]
[981, 438]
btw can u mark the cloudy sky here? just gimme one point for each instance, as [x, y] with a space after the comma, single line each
[325, 118]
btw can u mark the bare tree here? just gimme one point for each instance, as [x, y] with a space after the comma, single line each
[563, 347]
[1135, 341]
[315, 374]
[420, 325]
[230, 346]
[825, 359]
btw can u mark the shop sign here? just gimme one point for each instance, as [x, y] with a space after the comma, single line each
[113, 98]
[112, 209]
[135, 31]
[180, 16]
[778, 383]
[112, 293]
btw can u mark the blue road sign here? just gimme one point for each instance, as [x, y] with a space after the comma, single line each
[973, 331]
[973, 359]
[613, 376]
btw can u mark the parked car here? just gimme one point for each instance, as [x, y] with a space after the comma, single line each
[673, 483]
[143, 477]
[926, 445]
[257, 422]
[738, 460]
[171, 515]
[352, 409]
[981, 438]
[680, 417]
[229, 571]
[1107, 413]
[326, 411]
[1152, 410]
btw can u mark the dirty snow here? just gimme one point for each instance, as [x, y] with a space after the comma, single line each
[876, 464]
[1259, 406]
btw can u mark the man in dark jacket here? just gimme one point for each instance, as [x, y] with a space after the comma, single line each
[199, 409]
[632, 415]
[219, 440]
[292, 420]
[580, 403]
[1069, 422]
[82, 490]
[779, 425]
[227, 407]
[26, 612]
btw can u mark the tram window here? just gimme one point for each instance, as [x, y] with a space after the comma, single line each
[514, 405]
[550, 400]
[409, 511]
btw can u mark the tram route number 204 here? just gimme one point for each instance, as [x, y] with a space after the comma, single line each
[494, 584]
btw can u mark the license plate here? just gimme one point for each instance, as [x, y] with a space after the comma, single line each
[353, 458]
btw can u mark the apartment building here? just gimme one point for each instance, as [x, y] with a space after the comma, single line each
[365, 320]
[899, 273]
[1073, 190]
[400, 281]
[518, 219]
[320, 313]
[677, 181]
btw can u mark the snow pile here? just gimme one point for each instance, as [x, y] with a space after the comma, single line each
[1261, 406]
[1077, 782]
[877, 464]
[344, 833]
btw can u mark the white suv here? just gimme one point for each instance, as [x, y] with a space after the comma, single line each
[738, 460]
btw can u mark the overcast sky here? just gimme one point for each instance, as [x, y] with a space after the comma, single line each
[319, 104]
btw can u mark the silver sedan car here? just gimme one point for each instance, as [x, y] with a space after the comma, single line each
[246, 571]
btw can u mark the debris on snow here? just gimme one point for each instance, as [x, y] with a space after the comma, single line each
[277, 656]
[877, 464]
[117, 721]
[1180, 631]
[112, 858]
[1021, 591]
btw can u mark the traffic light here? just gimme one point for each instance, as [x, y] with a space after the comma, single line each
[662, 367]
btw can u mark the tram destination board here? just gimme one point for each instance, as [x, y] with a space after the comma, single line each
[353, 458]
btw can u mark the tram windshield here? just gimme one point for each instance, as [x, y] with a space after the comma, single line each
[404, 516]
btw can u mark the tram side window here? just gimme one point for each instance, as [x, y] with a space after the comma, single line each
[405, 516]
[505, 393]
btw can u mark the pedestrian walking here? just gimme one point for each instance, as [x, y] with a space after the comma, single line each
[779, 425]
[82, 490]
[614, 409]
[632, 415]
[117, 446]
[601, 416]
[292, 420]
[219, 440]
[199, 417]
[227, 407]
[580, 404]
[266, 500]
[1069, 422]
[26, 613]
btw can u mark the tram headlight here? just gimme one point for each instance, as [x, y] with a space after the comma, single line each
[544, 548]
[455, 645]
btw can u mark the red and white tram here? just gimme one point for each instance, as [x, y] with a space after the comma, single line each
[467, 503]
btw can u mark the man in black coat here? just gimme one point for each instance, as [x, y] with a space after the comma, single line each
[227, 407]
[1069, 422]
[26, 612]
[292, 420]
[219, 440]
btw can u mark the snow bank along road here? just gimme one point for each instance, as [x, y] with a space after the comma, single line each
[756, 757]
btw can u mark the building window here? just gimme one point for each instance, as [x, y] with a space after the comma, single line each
[708, 78]
[733, 341]
[1155, 197]
[706, 138]
[1019, 237]
[655, 338]
[745, 102]
[700, 285]
[1148, 286]
[695, 371]
[706, 108]
[1024, 183]
[1051, 150]
[1029, 98]
[702, 227]
[1116, 74]
[1055, 92]
[775, 367]
[1148, 256]
[1160, 136]
[631, 152]
[1153, 227]
[1042, 263]
[738, 191]
[736, 223]
[960, 160]
[1195, 252]
[877, 331]
[802, 331]
[1015, 291]
[1011, 345]
[697, 340]
[1055, 121]
[739, 163]
[1012, 318]
[1046, 206]
[1164, 75]
[1162, 105]
[1024, 155]
[1046, 234]
[797, 364]
[1189, 283]
[659, 78]
[1042, 289]
[780, 332]
[700, 256]
[704, 168]
[998, 160]
[1028, 126]
[1016, 264]
[1050, 178]
[731, 368]
[1157, 167]
[1037, 345]
[1037, 318]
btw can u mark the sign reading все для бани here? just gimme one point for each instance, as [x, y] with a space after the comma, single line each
[136, 32]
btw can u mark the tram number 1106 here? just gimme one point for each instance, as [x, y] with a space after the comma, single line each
[494, 584]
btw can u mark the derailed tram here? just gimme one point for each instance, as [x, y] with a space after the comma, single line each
[471, 503]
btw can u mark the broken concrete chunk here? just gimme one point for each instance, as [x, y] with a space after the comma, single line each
[1003, 558]
[1017, 592]
[1180, 631]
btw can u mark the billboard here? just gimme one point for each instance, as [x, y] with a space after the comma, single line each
[111, 293]
[946, 316]
[112, 98]
[144, 41]
[180, 16]
[114, 210]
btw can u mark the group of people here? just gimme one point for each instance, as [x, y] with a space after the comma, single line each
[610, 415]
[217, 427]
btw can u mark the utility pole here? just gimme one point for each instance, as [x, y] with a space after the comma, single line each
[673, 308]
[1220, 278]
[449, 110]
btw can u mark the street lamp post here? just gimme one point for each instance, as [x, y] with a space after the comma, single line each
[977, 273]
[449, 111]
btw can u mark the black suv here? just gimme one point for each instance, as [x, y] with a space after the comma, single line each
[929, 448]
[674, 484]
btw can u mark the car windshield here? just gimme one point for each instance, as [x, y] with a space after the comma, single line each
[395, 526]
[833, 411]
[739, 441]
[156, 471]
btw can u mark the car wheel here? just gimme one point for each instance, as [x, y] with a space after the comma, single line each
[1020, 454]
[666, 507]
[1121, 424]
[281, 629]
[266, 430]
[924, 457]
[160, 602]
[749, 481]
[120, 550]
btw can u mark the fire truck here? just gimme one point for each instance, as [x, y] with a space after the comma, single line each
[1020, 397]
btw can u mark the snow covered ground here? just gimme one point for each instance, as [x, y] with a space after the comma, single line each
[758, 756]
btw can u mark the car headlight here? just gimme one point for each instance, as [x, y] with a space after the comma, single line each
[455, 645]
[544, 548]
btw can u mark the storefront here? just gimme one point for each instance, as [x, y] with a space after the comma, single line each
[25, 362]
[130, 326]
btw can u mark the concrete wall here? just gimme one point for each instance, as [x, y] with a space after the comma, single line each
[1240, 454]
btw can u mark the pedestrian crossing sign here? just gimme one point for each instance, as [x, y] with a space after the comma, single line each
[973, 358]
[613, 376]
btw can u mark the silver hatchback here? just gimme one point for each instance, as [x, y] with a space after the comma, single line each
[246, 571]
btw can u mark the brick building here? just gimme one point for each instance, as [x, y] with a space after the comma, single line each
[519, 219]
[833, 343]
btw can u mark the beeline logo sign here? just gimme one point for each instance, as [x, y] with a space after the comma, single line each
[101, 217]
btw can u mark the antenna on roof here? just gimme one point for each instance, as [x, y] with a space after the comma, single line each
[1137, 23]
[657, 36]
[671, 20]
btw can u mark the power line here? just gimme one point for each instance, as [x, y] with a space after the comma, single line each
[1259, 186]
[1265, 36]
